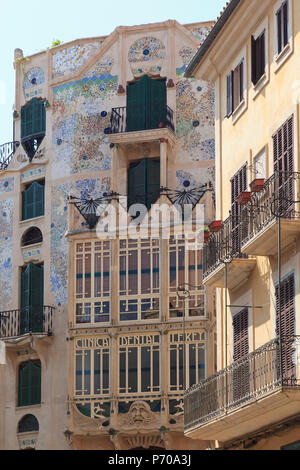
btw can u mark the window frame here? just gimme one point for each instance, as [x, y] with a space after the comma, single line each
[237, 109]
[264, 79]
[91, 302]
[287, 49]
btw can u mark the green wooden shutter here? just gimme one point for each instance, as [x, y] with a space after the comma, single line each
[136, 105]
[33, 119]
[153, 181]
[36, 298]
[137, 184]
[39, 199]
[32, 299]
[25, 300]
[29, 384]
[156, 103]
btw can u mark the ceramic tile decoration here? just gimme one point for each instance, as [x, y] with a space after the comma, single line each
[33, 254]
[6, 228]
[146, 55]
[195, 120]
[81, 113]
[7, 185]
[69, 60]
[32, 174]
[200, 33]
[186, 53]
[103, 66]
[33, 78]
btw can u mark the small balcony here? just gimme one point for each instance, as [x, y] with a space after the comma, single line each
[141, 119]
[34, 320]
[224, 249]
[6, 154]
[280, 197]
[254, 392]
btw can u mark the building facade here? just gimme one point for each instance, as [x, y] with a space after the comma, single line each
[252, 56]
[99, 345]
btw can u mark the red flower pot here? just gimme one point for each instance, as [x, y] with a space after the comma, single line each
[257, 185]
[215, 226]
[244, 198]
[206, 236]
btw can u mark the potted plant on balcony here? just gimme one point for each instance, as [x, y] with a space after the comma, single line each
[257, 185]
[206, 234]
[244, 198]
[215, 226]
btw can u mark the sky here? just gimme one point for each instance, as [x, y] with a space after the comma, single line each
[33, 25]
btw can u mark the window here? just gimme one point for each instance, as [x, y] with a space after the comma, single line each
[235, 88]
[139, 279]
[33, 200]
[238, 185]
[241, 373]
[185, 267]
[187, 360]
[258, 57]
[28, 423]
[144, 182]
[282, 17]
[33, 126]
[139, 364]
[92, 366]
[93, 282]
[29, 383]
[32, 236]
[32, 299]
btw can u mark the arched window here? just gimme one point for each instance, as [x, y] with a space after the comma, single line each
[32, 236]
[28, 423]
[33, 126]
[30, 383]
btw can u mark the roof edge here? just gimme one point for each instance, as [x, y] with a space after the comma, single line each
[216, 29]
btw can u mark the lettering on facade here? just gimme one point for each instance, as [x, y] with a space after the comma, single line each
[187, 337]
[138, 340]
[92, 343]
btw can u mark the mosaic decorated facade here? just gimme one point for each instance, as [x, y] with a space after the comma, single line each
[100, 323]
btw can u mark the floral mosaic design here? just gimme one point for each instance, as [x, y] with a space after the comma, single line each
[6, 224]
[7, 185]
[186, 54]
[33, 78]
[87, 188]
[69, 60]
[33, 174]
[146, 55]
[195, 120]
[200, 33]
[81, 122]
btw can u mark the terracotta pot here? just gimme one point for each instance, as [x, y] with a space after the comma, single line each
[244, 198]
[206, 236]
[215, 226]
[257, 185]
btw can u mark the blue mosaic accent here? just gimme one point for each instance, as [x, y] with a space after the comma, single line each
[7, 185]
[34, 77]
[146, 55]
[6, 252]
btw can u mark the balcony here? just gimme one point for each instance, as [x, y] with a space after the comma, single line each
[159, 118]
[6, 154]
[278, 198]
[224, 249]
[250, 394]
[16, 324]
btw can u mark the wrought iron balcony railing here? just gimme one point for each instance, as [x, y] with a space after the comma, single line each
[35, 319]
[222, 246]
[280, 197]
[158, 118]
[6, 153]
[246, 380]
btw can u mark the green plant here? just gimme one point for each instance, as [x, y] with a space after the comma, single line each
[163, 429]
[56, 42]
